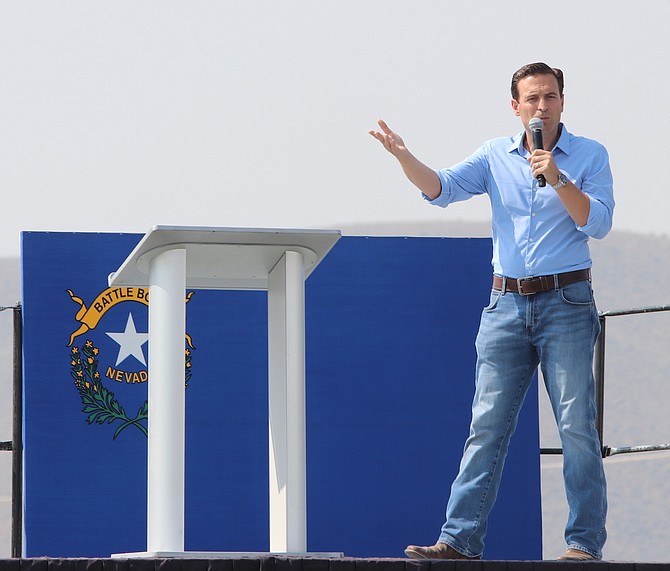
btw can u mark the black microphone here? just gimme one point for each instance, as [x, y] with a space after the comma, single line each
[536, 125]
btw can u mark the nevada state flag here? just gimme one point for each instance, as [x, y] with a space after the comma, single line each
[390, 328]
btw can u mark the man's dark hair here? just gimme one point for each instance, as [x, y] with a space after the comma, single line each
[532, 69]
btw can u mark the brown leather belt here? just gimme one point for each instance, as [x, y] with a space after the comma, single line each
[537, 284]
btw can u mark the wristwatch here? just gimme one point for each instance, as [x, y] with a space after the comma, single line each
[562, 181]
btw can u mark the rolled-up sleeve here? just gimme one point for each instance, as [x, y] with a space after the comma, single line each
[464, 180]
[598, 187]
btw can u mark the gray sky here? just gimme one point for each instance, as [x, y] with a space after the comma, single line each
[118, 115]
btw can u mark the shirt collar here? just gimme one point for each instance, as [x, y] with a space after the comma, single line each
[563, 142]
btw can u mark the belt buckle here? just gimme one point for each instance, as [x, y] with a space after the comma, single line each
[519, 285]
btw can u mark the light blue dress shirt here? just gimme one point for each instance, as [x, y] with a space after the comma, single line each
[533, 234]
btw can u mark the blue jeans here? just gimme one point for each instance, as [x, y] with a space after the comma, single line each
[556, 329]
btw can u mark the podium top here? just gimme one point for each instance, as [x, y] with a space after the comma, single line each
[224, 258]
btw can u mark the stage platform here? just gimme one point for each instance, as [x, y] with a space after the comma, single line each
[282, 563]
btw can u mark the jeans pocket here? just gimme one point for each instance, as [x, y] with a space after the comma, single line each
[493, 301]
[578, 293]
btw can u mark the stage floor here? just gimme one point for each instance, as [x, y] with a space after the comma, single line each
[279, 563]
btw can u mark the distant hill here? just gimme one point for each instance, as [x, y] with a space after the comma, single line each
[630, 270]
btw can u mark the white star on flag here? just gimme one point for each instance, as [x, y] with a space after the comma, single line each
[130, 342]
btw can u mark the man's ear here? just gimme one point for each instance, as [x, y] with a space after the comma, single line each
[515, 106]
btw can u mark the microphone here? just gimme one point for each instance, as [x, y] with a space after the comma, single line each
[536, 125]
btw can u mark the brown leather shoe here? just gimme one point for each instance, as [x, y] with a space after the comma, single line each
[572, 554]
[437, 551]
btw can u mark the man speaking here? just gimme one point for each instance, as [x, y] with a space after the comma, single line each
[546, 203]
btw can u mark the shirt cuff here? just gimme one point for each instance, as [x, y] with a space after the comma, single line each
[599, 221]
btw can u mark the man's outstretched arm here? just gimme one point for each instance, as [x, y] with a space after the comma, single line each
[419, 174]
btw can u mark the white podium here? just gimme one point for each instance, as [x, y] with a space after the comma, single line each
[169, 259]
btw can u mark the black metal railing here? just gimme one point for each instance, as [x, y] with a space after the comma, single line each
[599, 374]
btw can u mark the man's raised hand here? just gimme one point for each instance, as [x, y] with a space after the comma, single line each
[422, 176]
[392, 142]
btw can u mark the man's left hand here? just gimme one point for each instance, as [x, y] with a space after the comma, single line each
[542, 163]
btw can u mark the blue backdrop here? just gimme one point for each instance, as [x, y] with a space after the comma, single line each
[390, 335]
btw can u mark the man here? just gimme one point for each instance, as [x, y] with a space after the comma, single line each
[549, 319]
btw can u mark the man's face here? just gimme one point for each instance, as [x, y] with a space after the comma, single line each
[539, 97]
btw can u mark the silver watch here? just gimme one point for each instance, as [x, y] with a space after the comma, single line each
[562, 181]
